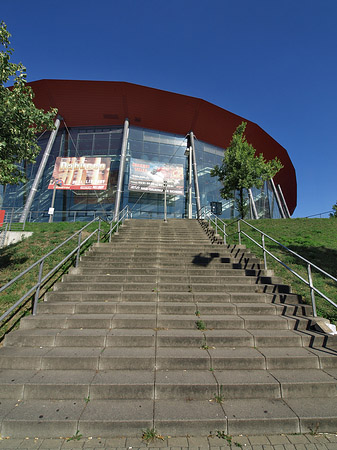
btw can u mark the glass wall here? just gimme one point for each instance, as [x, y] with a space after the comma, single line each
[69, 205]
[159, 147]
[149, 146]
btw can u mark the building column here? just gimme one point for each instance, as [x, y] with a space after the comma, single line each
[121, 169]
[40, 171]
[279, 204]
[195, 174]
[284, 203]
[252, 202]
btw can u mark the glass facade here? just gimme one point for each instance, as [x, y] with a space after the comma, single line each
[142, 144]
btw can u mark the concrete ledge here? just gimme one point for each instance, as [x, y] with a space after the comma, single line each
[12, 237]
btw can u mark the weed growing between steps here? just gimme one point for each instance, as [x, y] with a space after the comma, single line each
[219, 397]
[76, 437]
[201, 325]
[226, 437]
[150, 434]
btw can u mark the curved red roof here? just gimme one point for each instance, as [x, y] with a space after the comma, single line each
[104, 103]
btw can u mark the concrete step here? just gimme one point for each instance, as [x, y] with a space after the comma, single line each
[161, 328]
[218, 386]
[54, 418]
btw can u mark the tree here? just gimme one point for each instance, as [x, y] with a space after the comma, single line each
[20, 120]
[334, 214]
[241, 170]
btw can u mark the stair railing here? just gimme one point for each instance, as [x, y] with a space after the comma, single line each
[217, 223]
[122, 216]
[309, 264]
[35, 289]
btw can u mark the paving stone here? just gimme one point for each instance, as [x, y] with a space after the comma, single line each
[177, 441]
[278, 439]
[51, 444]
[10, 443]
[261, 440]
[298, 438]
[116, 442]
[198, 442]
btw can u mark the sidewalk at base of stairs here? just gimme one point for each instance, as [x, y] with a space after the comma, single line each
[320, 441]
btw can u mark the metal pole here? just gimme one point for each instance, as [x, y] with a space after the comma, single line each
[110, 231]
[239, 232]
[224, 234]
[40, 171]
[264, 252]
[277, 198]
[78, 249]
[37, 293]
[51, 216]
[195, 173]
[190, 183]
[121, 169]
[165, 205]
[99, 230]
[312, 292]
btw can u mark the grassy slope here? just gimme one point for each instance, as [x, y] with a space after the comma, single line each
[17, 257]
[313, 239]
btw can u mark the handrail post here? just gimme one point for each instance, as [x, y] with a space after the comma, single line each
[37, 293]
[239, 232]
[224, 233]
[216, 226]
[264, 252]
[78, 249]
[312, 292]
[110, 232]
[99, 231]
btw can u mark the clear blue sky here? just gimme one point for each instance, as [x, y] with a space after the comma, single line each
[273, 62]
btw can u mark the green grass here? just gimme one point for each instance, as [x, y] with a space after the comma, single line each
[15, 258]
[313, 239]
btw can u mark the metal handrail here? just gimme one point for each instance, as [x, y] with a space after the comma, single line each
[213, 219]
[310, 265]
[77, 250]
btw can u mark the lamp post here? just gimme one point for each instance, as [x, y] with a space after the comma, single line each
[165, 206]
[51, 209]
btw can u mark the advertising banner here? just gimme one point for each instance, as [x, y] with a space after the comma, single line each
[81, 173]
[149, 176]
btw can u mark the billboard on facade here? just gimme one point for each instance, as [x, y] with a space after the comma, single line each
[81, 173]
[149, 176]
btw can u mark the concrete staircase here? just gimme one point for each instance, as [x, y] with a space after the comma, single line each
[161, 329]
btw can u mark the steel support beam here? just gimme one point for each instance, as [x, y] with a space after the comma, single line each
[277, 198]
[286, 209]
[195, 174]
[121, 169]
[252, 202]
[40, 171]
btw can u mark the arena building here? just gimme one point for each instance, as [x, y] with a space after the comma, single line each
[118, 144]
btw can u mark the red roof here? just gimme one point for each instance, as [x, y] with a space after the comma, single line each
[104, 103]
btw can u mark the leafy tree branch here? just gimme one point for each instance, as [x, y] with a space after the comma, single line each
[241, 170]
[20, 120]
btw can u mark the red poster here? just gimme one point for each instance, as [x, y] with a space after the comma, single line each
[81, 173]
[2, 216]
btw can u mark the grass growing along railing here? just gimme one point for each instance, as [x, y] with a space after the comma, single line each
[313, 239]
[15, 258]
